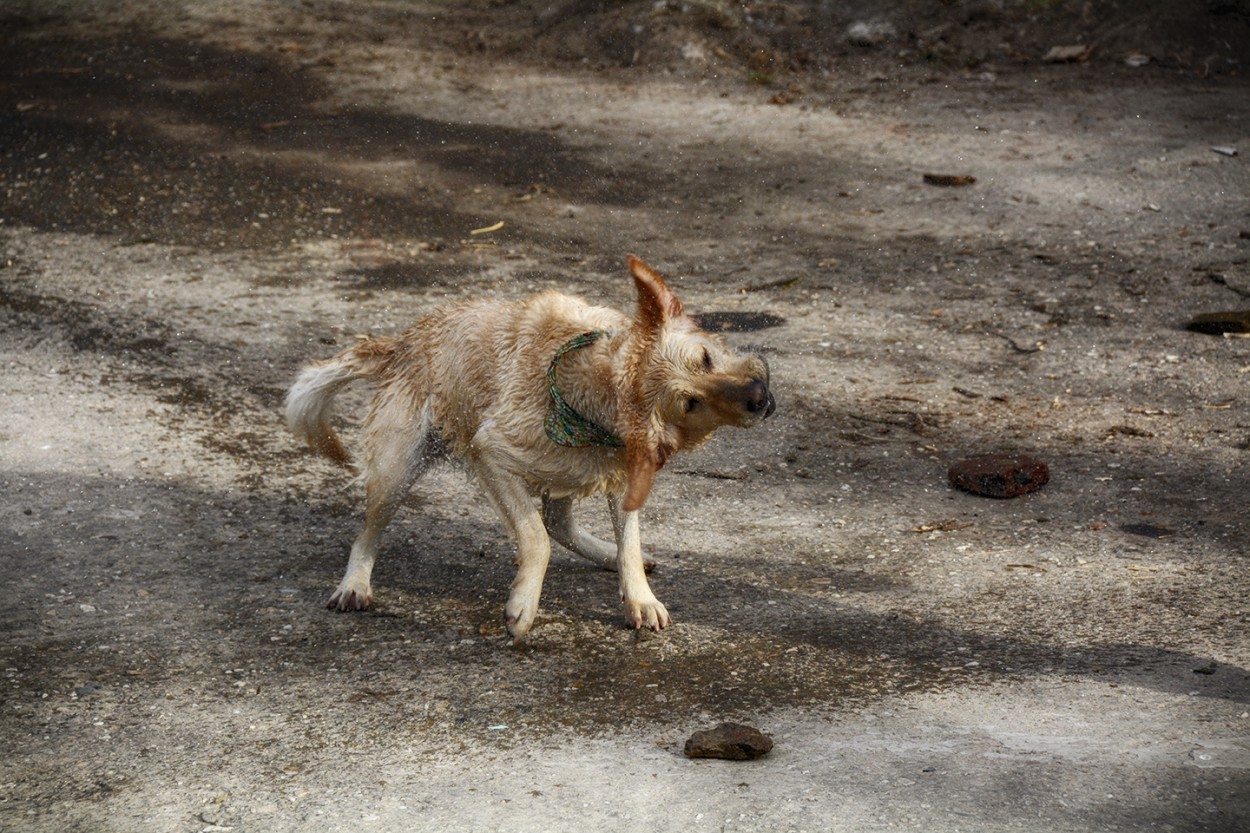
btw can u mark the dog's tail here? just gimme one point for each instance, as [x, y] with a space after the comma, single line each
[309, 404]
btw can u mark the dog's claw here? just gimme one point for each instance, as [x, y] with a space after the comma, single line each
[649, 614]
[350, 600]
[518, 634]
[519, 619]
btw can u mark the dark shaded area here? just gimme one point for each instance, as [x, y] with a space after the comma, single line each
[1148, 530]
[146, 350]
[182, 143]
[769, 43]
[389, 277]
[445, 587]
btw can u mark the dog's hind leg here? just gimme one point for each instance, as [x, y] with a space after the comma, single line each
[398, 454]
[560, 523]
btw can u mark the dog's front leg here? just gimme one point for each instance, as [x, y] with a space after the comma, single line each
[516, 507]
[642, 608]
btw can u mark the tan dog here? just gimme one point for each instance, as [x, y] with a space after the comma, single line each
[544, 396]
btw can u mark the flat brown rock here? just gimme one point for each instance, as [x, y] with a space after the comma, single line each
[729, 741]
[999, 475]
[949, 180]
[1219, 323]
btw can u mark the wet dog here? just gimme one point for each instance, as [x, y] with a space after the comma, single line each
[547, 396]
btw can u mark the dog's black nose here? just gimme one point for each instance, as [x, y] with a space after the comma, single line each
[759, 399]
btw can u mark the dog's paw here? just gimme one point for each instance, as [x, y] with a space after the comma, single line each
[350, 597]
[647, 613]
[519, 615]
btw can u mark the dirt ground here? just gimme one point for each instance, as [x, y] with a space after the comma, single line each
[200, 197]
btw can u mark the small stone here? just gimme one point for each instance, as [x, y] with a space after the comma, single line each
[868, 33]
[1078, 53]
[729, 741]
[999, 475]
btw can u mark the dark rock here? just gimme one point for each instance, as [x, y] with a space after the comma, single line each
[949, 180]
[999, 475]
[737, 321]
[1218, 323]
[730, 741]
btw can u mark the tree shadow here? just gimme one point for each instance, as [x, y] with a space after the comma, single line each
[179, 142]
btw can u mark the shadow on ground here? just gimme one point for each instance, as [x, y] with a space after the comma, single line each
[182, 143]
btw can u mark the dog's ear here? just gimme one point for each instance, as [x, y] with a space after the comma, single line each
[642, 461]
[643, 458]
[648, 443]
[657, 305]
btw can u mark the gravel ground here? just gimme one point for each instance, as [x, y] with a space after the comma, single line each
[198, 198]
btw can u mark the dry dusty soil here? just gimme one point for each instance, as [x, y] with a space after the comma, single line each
[197, 198]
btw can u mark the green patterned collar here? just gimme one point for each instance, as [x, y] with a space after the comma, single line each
[565, 426]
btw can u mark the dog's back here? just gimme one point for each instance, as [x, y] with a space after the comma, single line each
[464, 365]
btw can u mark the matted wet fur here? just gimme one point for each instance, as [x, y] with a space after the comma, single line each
[470, 381]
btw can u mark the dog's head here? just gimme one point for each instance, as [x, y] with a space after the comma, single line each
[685, 383]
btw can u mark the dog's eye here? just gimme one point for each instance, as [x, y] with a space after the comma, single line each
[707, 360]
[692, 404]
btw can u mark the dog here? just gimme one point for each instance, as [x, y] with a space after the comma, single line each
[546, 397]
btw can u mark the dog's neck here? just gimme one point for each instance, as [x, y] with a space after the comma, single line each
[564, 424]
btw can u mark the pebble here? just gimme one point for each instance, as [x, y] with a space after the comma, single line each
[1068, 54]
[868, 33]
[999, 475]
[729, 741]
